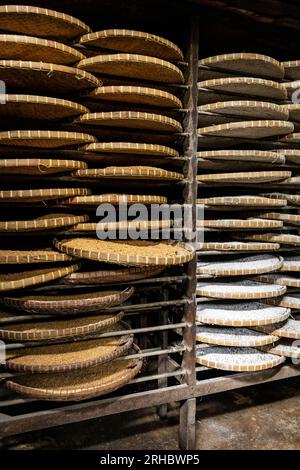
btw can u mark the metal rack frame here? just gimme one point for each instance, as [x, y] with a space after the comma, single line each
[187, 385]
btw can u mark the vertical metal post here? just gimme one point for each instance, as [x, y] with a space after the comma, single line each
[163, 359]
[188, 408]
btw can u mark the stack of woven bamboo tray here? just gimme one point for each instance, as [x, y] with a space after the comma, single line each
[242, 106]
[53, 175]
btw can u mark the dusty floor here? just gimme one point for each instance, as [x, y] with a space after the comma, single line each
[261, 417]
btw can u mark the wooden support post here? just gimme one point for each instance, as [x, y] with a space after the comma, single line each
[163, 360]
[187, 425]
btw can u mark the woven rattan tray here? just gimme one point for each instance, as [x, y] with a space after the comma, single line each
[238, 202]
[17, 47]
[228, 336]
[285, 348]
[257, 156]
[131, 148]
[138, 42]
[39, 107]
[245, 109]
[291, 219]
[42, 77]
[289, 301]
[31, 195]
[239, 290]
[133, 66]
[293, 138]
[56, 329]
[132, 120]
[291, 263]
[241, 266]
[240, 313]
[239, 224]
[28, 278]
[95, 200]
[46, 222]
[244, 177]
[246, 86]
[68, 304]
[294, 111]
[32, 256]
[65, 357]
[291, 69]
[237, 246]
[288, 329]
[248, 129]
[94, 227]
[135, 95]
[293, 199]
[253, 64]
[112, 275]
[283, 238]
[236, 359]
[281, 279]
[38, 166]
[292, 156]
[77, 385]
[130, 172]
[46, 139]
[42, 22]
[128, 252]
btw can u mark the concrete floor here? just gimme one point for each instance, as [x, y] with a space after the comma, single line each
[261, 417]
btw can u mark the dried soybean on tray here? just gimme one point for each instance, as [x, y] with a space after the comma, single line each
[128, 252]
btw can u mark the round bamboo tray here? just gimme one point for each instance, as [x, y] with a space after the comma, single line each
[253, 64]
[31, 195]
[131, 120]
[291, 219]
[289, 301]
[41, 22]
[57, 329]
[44, 139]
[291, 263]
[237, 202]
[258, 156]
[131, 148]
[136, 42]
[285, 239]
[241, 266]
[32, 256]
[39, 107]
[129, 172]
[239, 224]
[236, 359]
[281, 279]
[246, 86]
[239, 290]
[24, 279]
[17, 47]
[128, 252]
[248, 129]
[227, 336]
[247, 109]
[46, 222]
[293, 199]
[112, 275]
[244, 177]
[41, 77]
[143, 96]
[290, 87]
[68, 304]
[133, 66]
[291, 69]
[288, 329]
[293, 138]
[95, 200]
[38, 166]
[284, 348]
[154, 225]
[292, 156]
[239, 314]
[67, 357]
[77, 385]
[237, 246]
[294, 111]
